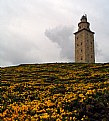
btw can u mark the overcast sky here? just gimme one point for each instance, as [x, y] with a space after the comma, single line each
[41, 31]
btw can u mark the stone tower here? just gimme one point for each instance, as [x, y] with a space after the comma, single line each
[84, 42]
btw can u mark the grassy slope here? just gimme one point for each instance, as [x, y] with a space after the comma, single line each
[55, 92]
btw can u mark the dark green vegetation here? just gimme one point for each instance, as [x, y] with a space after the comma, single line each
[55, 92]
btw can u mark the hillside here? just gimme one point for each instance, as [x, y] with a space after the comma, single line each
[55, 92]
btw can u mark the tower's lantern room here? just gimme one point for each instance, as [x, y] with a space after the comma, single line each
[84, 18]
[84, 23]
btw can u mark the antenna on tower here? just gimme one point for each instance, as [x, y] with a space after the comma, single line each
[85, 14]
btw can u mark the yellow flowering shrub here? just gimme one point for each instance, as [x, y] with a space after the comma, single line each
[54, 92]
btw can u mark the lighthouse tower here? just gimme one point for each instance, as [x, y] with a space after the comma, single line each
[84, 42]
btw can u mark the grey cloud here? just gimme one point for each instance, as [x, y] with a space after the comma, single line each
[63, 36]
[98, 51]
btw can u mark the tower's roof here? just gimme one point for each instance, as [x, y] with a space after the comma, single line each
[85, 30]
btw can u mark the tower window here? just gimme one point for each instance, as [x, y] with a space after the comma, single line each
[91, 56]
[81, 50]
[81, 43]
[77, 45]
[81, 58]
